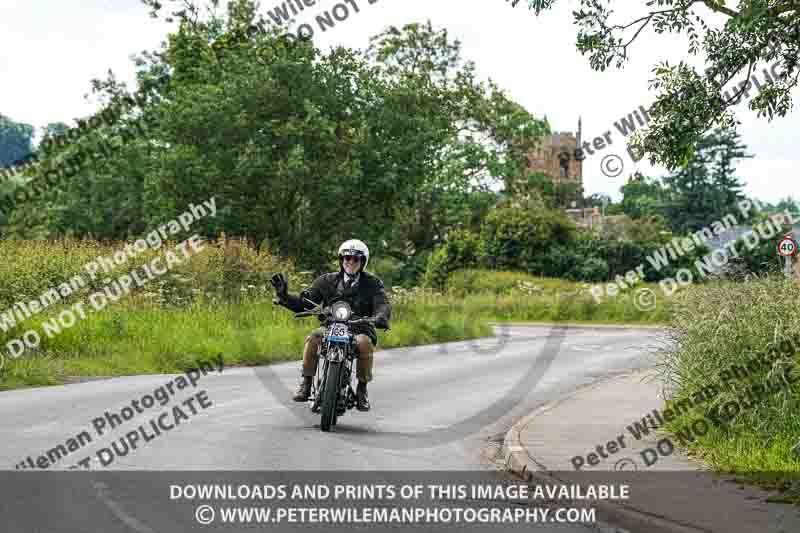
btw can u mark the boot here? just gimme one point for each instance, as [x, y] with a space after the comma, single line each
[362, 401]
[304, 390]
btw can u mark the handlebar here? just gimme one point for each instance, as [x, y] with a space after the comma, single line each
[369, 320]
[354, 320]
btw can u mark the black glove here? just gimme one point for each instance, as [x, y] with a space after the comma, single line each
[281, 286]
[381, 322]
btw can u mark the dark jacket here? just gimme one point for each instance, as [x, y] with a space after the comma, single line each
[366, 298]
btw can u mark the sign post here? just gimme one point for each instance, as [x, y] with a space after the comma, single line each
[787, 248]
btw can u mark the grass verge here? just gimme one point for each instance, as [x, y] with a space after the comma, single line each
[141, 336]
[744, 340]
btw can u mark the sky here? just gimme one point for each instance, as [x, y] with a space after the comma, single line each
[53, 48]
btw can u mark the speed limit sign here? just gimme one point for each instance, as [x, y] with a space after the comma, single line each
[787, 247]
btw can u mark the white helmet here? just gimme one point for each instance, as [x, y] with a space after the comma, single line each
[354, 247]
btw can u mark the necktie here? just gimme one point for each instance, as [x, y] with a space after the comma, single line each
[347, 283]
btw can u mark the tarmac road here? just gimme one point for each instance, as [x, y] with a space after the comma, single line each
[434, 408]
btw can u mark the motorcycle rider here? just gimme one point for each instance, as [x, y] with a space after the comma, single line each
[364, 293]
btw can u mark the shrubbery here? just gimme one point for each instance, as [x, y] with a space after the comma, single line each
[461, 250]
[543, 242]
[762, 259]
[522, 239]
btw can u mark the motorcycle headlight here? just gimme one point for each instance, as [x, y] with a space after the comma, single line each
[341, 311]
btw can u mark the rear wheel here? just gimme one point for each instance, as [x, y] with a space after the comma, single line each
[329, 395]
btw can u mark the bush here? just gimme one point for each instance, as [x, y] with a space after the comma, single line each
[543, 242]
[762, 259]
[459, 251]
[521, 239]
[626, 244]
[390, 270]
[590, 257]
[592, 269]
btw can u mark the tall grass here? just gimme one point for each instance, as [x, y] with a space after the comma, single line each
[507, 295]
[723, 324]
[142, 338]
[219, 301]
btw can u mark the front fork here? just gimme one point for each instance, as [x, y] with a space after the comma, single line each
[348, 401]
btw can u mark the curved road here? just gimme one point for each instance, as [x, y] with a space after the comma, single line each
[439, 407]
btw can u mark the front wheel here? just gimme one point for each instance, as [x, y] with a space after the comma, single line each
[329, 395]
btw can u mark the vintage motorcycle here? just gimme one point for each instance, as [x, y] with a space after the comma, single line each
[332, 391]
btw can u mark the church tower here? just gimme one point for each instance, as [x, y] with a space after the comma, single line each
[555, 157]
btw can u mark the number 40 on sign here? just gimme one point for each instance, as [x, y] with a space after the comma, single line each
[787, 247]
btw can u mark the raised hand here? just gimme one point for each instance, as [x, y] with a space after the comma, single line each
[281, 286]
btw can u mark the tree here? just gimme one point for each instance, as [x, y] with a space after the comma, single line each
[482, 136]
[54, 129]
[301, 148]
[691, 103]
[597, 200]
[16, 154]
[643, 197]
[706, 189]
[788, 204]
[16, 142]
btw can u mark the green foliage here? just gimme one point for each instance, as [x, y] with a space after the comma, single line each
[406, 271]
[706, 189]
[747, 262]
[291, 139]
[15, 141]
[597, 200]
[592, 269]
[786, 204]
[517, 296]
[643, 197]
[759, 316]
[16, 155]
[136, 338]
[520, 238]
[220, 302]
[592, 258]
[459, 251]
[223, 267]
[483, 137]
[473, 281]
[689, 102]
[541, 241]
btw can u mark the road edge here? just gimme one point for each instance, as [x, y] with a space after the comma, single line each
[583, 325]
[518, 462]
